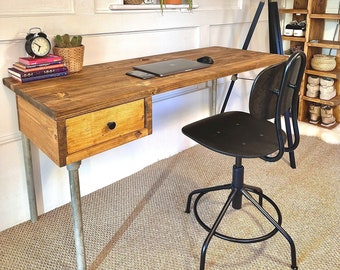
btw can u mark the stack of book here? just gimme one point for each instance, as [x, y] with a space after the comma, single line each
[29, 69]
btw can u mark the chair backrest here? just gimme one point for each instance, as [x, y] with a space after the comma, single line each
[275, 91]
[277, 87]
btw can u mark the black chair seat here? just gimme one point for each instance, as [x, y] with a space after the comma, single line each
[235, 134]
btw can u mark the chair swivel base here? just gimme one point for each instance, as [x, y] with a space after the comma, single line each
[235, 198]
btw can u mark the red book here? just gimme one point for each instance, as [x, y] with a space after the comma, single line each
[42, 60]
[31, 68]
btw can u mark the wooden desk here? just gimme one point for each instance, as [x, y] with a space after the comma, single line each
[85, 113]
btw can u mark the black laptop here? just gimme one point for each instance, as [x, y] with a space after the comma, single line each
[170, 67]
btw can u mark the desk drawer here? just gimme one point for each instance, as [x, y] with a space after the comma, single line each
[97, 127]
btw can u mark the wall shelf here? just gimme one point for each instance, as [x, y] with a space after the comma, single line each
[335, 74]
[332, 102]
[292, 38]
[329, 44]
[325, 16]
[293, 11]
[117, 7]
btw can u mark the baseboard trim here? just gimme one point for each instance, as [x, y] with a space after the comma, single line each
[10, 138]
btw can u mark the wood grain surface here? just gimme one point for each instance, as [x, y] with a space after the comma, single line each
[104, 85]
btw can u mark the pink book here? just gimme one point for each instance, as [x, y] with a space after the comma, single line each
[41, 60]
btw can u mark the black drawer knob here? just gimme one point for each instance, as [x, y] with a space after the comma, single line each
[111, 125]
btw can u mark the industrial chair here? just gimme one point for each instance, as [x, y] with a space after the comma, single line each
[251, 135]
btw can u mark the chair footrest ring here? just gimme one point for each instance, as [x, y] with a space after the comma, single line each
[242, 240]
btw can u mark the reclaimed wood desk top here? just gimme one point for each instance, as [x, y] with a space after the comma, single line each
[74, 117]
[104, 85]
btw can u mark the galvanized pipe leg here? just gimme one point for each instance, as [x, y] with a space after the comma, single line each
[213, 98]
[73, 171]
[26, 144]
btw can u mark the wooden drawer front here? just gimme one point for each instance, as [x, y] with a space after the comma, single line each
[91, 129]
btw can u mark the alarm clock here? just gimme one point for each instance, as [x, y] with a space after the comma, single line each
[37, 44]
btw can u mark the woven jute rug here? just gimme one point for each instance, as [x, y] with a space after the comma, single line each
[140, 223]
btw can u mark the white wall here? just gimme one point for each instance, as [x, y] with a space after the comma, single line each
[109, 36]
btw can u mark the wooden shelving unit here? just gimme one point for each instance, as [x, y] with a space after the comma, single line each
[314, 12]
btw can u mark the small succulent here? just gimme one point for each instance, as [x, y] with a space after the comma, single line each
[65, 41]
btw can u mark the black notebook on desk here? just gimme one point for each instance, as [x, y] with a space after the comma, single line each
[170, 67]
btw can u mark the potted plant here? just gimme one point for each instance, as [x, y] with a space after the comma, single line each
[71, 49]
[175, 2]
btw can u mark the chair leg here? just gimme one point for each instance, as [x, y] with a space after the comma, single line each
[256, 190]
[276, 225]
[214, 228]
[203, 191]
